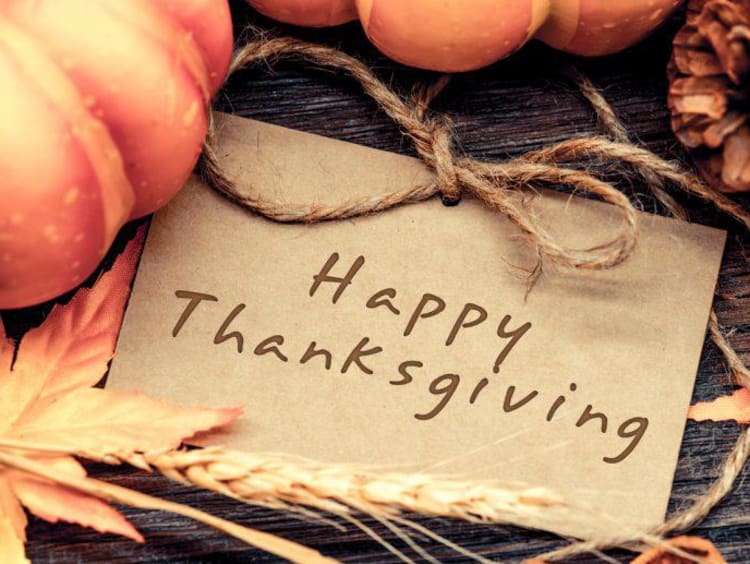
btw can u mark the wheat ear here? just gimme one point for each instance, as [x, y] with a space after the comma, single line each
[286, 483]
[280, 482]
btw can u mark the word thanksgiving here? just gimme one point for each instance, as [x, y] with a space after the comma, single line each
[326, 285]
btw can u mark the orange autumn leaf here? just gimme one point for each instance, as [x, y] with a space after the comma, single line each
[699, 550]
[735, 407]
[12, 525]
[46, 399]
[55, 503]
[6, 351]
[72, 348]
[11, 546]
[93, 418]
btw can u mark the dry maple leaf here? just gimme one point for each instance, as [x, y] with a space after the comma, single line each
[699, 550]
[735, 407]
[46, 398]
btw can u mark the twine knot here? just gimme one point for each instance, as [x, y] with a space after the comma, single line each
[433, 140]
[441, 145]
[496, 185]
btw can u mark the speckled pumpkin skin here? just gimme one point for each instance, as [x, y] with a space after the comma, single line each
[104, 110]
[462, 35]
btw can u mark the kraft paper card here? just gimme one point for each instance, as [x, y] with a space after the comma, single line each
[403, 340]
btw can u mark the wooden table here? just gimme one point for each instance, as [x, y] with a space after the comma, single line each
[514, 106]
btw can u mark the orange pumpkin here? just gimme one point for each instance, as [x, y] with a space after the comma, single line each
[103, 110]
[461, 35]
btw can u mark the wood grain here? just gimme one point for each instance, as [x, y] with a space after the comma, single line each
[514, 106]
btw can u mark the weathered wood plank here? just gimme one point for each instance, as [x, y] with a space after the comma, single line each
[514, 106]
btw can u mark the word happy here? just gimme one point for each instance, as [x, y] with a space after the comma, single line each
[444, 386]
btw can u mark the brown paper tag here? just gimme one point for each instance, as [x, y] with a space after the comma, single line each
[426, 356]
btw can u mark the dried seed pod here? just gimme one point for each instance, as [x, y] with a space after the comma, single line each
[709, 90]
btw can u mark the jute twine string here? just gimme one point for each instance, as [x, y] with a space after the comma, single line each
[735, 462]
[618, 132]
[497, 186]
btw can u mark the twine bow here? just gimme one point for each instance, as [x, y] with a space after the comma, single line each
[497, 185]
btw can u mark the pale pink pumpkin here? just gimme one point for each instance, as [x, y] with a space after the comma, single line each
[310, 13]
[103, 110]
[461, 35]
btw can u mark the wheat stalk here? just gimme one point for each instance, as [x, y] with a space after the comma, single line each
[336, 488]
[286, 483]
[280, 482]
